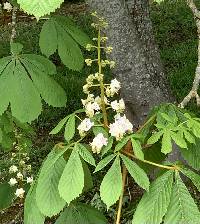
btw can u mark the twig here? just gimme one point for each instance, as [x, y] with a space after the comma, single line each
[193, 92]
[14, 20]
[152, 163]
[119, 211]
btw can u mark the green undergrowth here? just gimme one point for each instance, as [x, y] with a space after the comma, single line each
[176, 36]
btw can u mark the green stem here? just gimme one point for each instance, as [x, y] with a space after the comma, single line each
[105, 118]
[119, 211]
[152, 163]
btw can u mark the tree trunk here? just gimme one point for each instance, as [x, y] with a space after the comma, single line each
[138, 65]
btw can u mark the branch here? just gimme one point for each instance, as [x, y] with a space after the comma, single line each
[13, 24]
[193, 92]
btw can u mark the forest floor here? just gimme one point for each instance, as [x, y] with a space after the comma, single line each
[176, 36]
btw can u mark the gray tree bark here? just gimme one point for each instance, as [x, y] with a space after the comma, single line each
[138, 65]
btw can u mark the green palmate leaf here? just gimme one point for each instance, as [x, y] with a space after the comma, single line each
[189, 137]
[69, 51]
[59, 126]
[104, 162]
[111, 186]
[24, 98]
[194, 177]
[39, 8]
[88, 183]
[59, 33]
[154, 203]
[6, 195]
[136, 172]
[70, 128]
[47, 196]
[179, 139]
[137, 149]
[32, 213]
[167, 117]
[78, 35]
[23, 80]
[4, 62]
[1, 135]
[85, 154]
[80, 213]
[72, 180]
[192, 154]
[5, 80]
[50, 90]
[182, 208]
[48, 43]
[42, 63]
[166, 142]
[155, 138]
[106, 148]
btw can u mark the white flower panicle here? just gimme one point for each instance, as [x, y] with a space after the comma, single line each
[7, 6]
[20, 192]
[120, 127]
[13, 169]
[12, 181]
[98, 142]
[119, 107]
[85, 126]
[29, 180]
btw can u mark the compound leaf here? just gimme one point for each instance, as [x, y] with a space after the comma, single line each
[111, 186]
[32, 213]
[72, 180]
[47, 196]
[154, 203]
[39, 8]
[80, 213]
[182, 208]
[136, 172]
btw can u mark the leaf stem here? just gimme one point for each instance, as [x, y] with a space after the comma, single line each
[105, 118]
[152, 118]
[151, 163]
[119, 211]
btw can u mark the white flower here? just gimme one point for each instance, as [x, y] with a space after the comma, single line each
[88, 47]
[90, 108]
[13, 169]
[22, 163]
[85, 125]
[121, 126]
[112, 64]
[109, 50]
[98, 142]
[118, 107]
[12, 181]
[20, 192]
[19, 175]
[88, 62]
[114, 86]
[29, 180]
[28, 167]
[7, 6]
